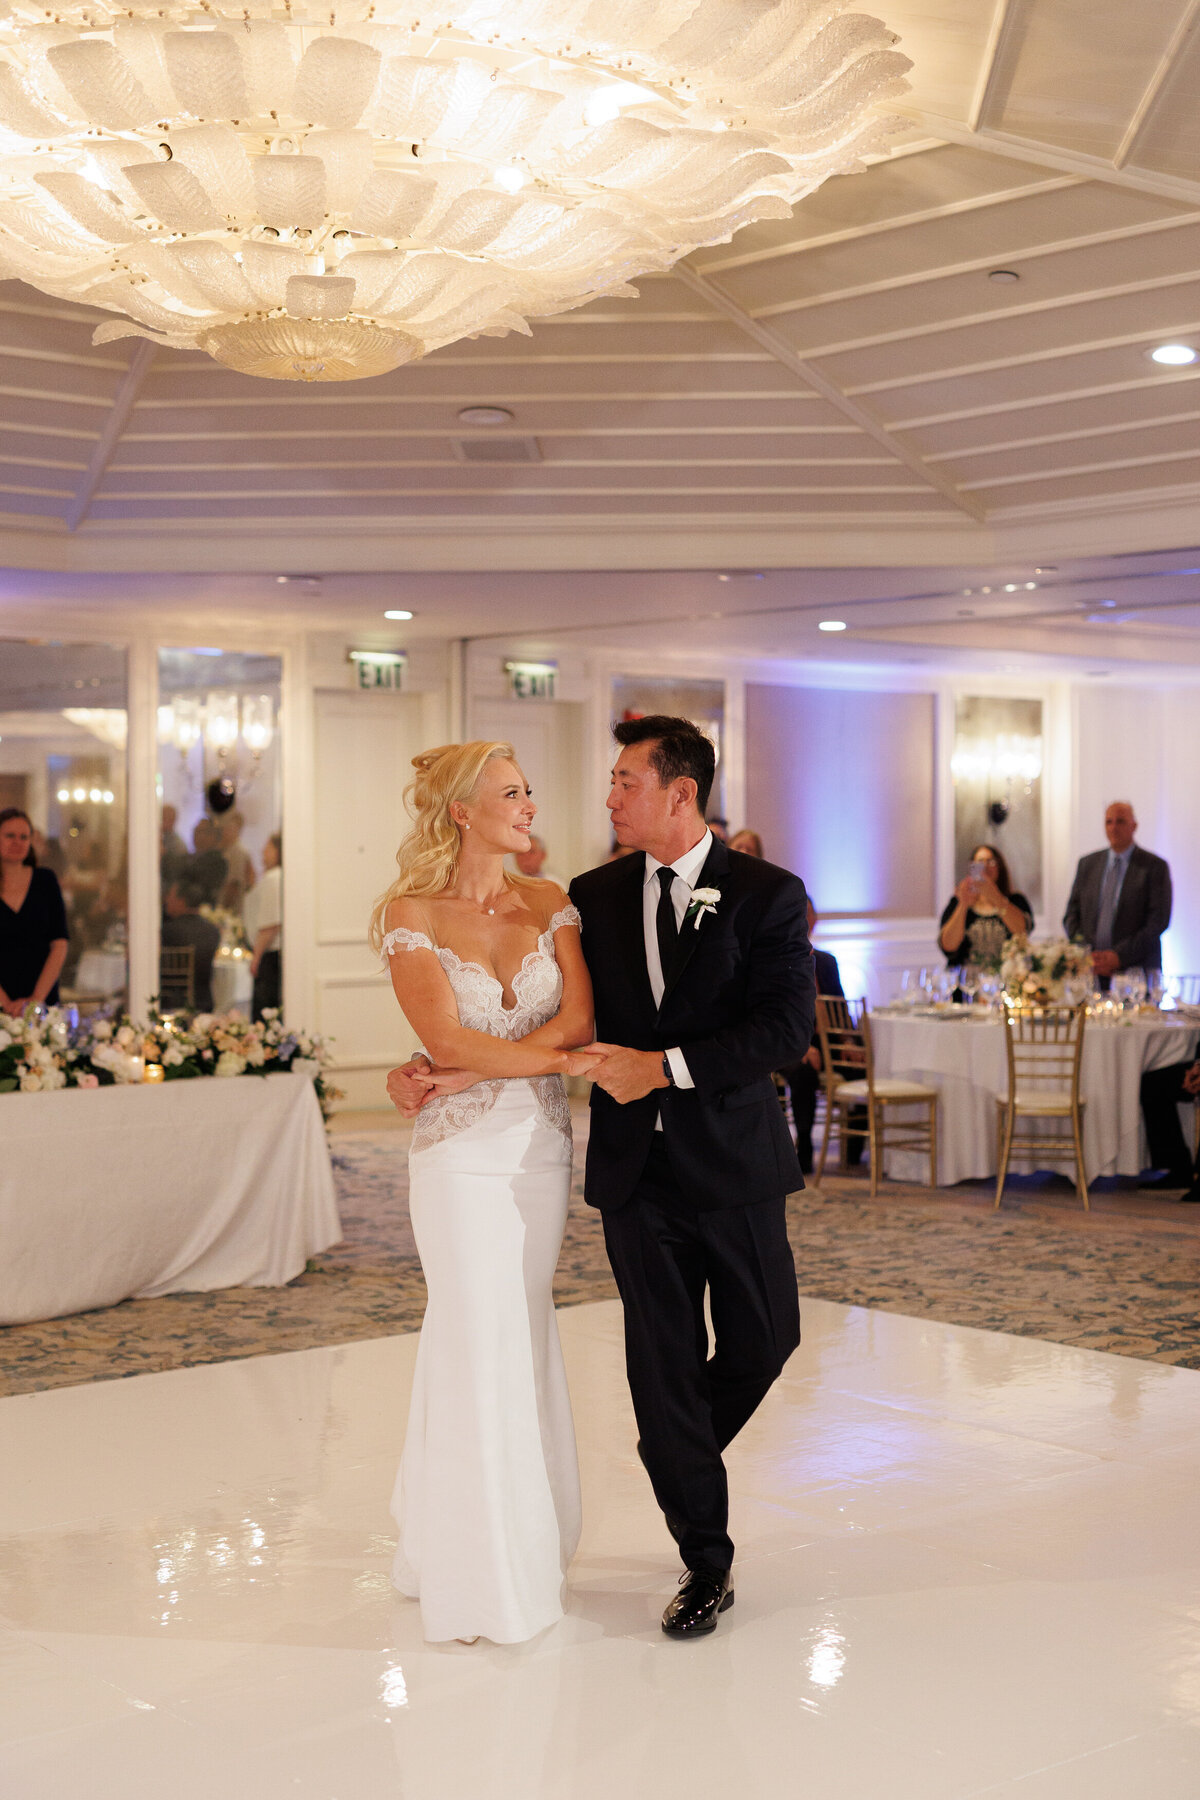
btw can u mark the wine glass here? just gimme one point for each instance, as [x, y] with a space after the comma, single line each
[1155, 987]
[908, 988]
[969, 982]
[1135, 980]
[925, 983]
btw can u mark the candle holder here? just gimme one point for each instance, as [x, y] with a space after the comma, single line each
[154, 1072]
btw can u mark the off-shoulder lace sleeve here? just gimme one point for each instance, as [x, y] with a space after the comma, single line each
[403, 939]
[567, 915]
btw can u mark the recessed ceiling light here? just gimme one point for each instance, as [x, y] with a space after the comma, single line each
[1173, 356]
[1003, 275]
[397, 613]
[832, 625]
[486, 415]
[740, 575]
[1047, 569]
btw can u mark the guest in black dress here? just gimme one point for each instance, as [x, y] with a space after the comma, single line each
[33, 920]
[984, 913]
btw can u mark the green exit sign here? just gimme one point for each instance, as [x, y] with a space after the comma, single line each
[379, 670]
[531, 680]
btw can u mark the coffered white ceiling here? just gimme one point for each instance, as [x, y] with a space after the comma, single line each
[846, 388]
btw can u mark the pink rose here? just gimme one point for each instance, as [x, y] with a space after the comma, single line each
[88, 1081]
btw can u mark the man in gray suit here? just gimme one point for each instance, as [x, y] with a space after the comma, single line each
[1121, 901]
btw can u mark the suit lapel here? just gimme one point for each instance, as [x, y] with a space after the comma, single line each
[716, 868]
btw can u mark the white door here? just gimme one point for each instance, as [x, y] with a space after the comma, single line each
[548, 737]
[364, 749]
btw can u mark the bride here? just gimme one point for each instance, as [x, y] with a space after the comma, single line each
[488, 969]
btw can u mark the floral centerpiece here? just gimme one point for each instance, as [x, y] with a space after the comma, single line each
[33, 1054]
[39, 1054]
[229, 924]
[1051, 972]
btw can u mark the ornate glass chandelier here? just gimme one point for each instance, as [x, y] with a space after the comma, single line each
[322, 192]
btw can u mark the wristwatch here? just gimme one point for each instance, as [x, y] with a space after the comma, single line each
[667, 1070]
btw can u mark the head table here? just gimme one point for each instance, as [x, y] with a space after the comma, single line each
[960, 1050]
[118, 1193]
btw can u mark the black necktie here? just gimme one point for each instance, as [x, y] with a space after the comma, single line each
[664, 922]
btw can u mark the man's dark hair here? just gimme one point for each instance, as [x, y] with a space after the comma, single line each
[191, 893]
[680, 748]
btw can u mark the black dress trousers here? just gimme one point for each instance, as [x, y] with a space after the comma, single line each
[690, 1405]
[1163, 1093]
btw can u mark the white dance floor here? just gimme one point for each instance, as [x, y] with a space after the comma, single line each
[968, 1565]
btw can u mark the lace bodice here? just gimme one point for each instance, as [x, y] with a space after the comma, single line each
[537, 990]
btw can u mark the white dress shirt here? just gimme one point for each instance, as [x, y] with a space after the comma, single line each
[687, 874]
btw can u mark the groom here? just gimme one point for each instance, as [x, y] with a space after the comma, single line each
[703, 980]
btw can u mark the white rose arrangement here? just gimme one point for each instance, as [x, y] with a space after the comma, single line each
[42, 1054]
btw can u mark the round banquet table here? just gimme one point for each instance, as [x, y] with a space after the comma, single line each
[960, 1050]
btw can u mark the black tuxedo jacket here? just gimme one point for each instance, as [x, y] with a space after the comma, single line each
[738, 1002]
[1143, 911]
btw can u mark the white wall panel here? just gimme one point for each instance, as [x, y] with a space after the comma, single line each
[364, 749]
[1143, 745]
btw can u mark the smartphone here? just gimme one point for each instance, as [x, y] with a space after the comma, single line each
[977, 871]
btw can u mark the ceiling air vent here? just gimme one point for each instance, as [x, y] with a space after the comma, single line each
[498, 449]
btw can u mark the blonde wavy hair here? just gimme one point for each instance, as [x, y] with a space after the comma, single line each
[428, 856]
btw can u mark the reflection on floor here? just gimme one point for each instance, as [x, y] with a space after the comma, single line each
[969, 1564]
[1121, 1277]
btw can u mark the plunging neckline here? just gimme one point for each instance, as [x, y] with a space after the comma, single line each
[538, 950]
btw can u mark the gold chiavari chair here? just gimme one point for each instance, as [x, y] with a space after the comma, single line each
[1044, 1046]
[176, 978]
[852, 1086]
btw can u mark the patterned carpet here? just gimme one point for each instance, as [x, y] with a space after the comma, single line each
[1123, 1278]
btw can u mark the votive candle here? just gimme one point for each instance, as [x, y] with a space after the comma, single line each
[154, 1072]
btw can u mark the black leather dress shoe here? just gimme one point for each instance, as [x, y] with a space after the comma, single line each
[703, 1593]
[1181, 1178]
[1193, 1192]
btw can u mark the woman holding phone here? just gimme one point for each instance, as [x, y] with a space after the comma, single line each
[984, 912]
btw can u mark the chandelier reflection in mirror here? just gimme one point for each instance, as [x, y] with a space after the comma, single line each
[219, 720]
[321, 194]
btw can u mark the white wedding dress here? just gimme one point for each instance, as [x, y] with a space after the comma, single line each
[487, 1498]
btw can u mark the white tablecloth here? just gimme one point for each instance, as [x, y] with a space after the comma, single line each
[232, 984]
[962, 1053]
[100, 973]
[113, 1193]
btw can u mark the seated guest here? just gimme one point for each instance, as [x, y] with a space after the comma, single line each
[207, 868]
[804, 1078]
[984, 913]
[183, 925]
[1120, 903]
[1163, 1091]
[748, 842]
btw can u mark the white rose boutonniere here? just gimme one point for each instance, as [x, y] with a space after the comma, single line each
[703, 900]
